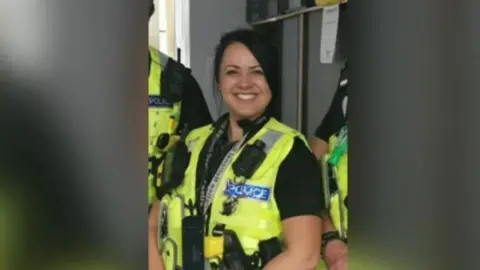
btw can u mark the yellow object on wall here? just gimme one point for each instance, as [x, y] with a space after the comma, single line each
[328, 2]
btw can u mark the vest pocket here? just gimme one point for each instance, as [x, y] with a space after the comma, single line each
[172, 235]
[170, 254]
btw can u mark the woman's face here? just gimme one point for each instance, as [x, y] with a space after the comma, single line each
[243, 83]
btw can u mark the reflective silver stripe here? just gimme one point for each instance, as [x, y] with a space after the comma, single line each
[269, 139]
[191, 145]
[344, 106]
[163, 59]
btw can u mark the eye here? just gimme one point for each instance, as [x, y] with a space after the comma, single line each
[258, 72]
[231, 72]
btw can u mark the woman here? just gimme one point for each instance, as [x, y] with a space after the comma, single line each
[255, 178]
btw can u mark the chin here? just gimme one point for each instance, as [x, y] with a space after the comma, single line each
[246, 114]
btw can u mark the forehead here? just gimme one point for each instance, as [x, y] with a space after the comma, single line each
[237, 53]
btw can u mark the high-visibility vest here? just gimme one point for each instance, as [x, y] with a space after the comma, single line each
[335, 169]
[163, 118]
[256, 217]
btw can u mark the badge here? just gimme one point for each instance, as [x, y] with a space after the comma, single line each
[158, 102]
[249, 191]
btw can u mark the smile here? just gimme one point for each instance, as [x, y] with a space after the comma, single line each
[246, 96]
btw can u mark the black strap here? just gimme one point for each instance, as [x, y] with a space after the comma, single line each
[211, 144]
[212, 141]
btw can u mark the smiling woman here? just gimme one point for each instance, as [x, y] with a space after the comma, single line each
[243, 84]
[246, 68]
[241, 193]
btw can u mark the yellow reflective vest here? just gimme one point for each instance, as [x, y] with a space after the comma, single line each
[336, 200]
[256, 217]
[163, 117]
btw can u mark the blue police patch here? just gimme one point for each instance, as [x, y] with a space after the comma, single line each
[158, 102]
[247, 191]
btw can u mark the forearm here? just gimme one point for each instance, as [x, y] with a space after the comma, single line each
[288, 261]
[155, 261]
[327, 224]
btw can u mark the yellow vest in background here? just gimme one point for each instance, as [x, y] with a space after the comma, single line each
[335, 201]
[256, 217]
[163, 117]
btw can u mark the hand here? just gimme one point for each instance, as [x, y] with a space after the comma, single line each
[340, 264]
[336, 255]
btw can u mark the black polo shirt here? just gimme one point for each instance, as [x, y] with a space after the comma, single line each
[298, 189]
[336, 116]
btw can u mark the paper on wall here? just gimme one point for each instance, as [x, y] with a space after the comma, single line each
[328, 37]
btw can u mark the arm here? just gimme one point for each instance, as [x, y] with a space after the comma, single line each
[335, 250]
[331, 123]
[155, 261]
[300, 205]
[319, 147]
[303, 239]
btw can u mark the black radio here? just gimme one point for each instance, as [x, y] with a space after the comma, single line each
[249, 160]
[192, 243]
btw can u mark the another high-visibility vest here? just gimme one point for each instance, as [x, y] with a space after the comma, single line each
[163, 118]
[256, 217]
[335, 169]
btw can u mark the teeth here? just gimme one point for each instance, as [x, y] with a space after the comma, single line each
[246, 96]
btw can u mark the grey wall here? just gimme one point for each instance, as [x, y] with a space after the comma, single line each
[321, 79]
[208, 20]
[290, 72]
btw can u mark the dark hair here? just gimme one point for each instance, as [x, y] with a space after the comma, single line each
[151, 9]
[261, 48]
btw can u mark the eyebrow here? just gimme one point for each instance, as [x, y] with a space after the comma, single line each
[238, 67]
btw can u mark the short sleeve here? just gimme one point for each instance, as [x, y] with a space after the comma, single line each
[298, 189]
[334, 119]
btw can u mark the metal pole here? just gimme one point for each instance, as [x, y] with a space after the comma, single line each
[300, 72]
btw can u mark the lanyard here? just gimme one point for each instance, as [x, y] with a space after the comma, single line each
[207, 193]
[206, 196]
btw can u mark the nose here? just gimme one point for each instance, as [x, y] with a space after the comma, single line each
[245, 81]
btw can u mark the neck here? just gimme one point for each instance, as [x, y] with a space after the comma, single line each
[235, 132]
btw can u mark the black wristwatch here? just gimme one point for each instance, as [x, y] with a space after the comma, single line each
[329, 236]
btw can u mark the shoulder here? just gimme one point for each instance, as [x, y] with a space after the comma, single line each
[299, 156]
[199, 133]
[288, 132]
[159, 58]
